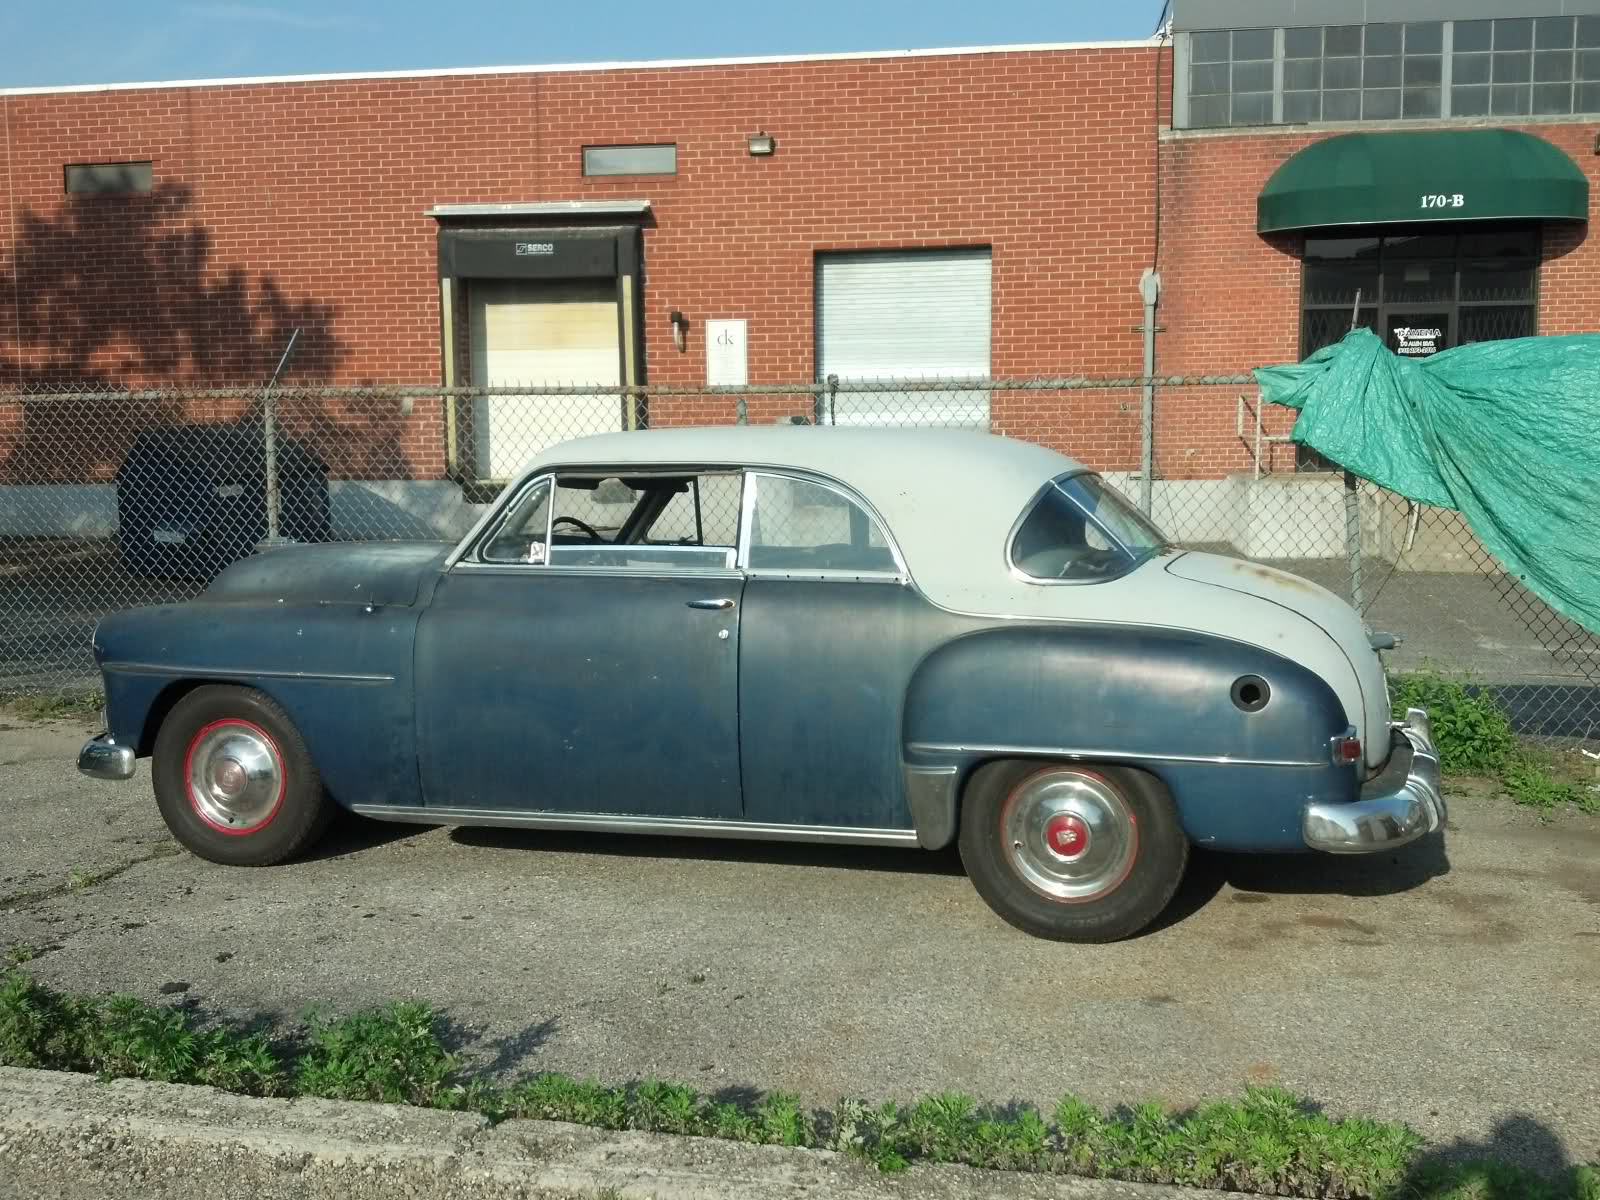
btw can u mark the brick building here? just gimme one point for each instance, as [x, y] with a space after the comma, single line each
[960, 213]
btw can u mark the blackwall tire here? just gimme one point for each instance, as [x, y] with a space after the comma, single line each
[1069, 851]
[234, 781]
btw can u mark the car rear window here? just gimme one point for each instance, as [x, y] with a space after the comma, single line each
[1081, 529]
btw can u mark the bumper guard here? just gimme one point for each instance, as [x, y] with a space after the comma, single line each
[102, 758]
[1400, 804]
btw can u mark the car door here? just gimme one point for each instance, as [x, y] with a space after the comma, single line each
[830, 636]
[583, 657]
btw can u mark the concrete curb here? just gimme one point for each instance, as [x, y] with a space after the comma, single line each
[65, 1137]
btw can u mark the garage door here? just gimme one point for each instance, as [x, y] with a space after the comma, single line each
[541, 332]
[912, 314]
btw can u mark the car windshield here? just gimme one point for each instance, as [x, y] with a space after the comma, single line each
[1081, 528]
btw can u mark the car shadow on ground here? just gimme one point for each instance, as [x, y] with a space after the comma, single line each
[352, 834]
[1253, 878]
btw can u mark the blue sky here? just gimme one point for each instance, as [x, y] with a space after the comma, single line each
[99, 41]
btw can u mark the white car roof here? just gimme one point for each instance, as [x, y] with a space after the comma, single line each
[949, 496]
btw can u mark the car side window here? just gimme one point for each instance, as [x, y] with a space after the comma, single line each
[798, 525]
[520, 536]
[705, 512]
[653, 522]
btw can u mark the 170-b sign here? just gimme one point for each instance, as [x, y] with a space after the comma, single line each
[1440, 200]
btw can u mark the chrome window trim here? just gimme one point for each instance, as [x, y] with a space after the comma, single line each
[1021, 576]
[834, 576]
[467, 553]
[671, 551]
[470, 549]
[498, 568]
[747, 514]
[850, 496]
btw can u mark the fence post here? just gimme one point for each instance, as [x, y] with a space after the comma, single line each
[827, 405]
[1352, 540]
[1150, 292]
[269, 438]
[1352, 508]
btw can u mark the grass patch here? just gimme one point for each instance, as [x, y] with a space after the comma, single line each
[1474, 737]
[1270, 1142]
[59, 706]
[1499, 1181]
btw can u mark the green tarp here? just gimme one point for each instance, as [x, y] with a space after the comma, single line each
[1506, 433]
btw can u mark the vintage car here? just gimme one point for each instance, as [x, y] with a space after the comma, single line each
[886, 637]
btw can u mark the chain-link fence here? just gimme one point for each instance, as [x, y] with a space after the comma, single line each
[115, 498]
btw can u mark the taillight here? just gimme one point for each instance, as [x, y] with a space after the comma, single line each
[1346, 750]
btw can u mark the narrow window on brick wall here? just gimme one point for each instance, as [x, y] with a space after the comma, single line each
[659, 159]
[109, 178]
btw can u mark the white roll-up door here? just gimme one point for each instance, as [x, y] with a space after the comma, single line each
[541, 332]
[905, 314]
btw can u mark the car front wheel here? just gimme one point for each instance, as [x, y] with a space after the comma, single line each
[234, 781]
[1072, 852]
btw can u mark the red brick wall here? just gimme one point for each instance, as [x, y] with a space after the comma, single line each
[302, 203]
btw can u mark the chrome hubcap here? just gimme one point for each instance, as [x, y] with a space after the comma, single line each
[1069, 834]
[235, 778]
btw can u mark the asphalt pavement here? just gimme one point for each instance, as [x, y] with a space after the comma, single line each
[1454, 984]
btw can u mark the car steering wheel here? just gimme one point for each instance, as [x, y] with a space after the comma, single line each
[594, 534]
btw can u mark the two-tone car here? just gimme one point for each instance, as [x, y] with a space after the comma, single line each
[889, 637]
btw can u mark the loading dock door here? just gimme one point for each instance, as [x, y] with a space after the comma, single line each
[541, 332]
[905, 314]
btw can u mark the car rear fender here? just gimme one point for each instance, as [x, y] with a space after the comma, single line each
[1158, 699]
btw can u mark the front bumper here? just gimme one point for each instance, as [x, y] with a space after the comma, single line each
[1400, 804]
[102, 758]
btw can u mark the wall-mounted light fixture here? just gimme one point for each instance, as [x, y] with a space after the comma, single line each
[762, 144]
[680, 330]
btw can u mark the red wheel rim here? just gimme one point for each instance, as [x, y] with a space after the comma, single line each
[234, 777]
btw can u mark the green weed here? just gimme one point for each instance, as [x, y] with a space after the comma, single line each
[19, 953]
[1489, 1180]
[1471, 731]
[62, 706]
[1474, 736]
[391, 1054]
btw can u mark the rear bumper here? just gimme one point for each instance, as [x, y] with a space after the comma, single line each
[102, 758]
[1400, 804]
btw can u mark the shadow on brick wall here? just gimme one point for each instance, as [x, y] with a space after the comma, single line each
[123, 291]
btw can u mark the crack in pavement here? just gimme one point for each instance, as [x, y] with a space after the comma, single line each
[18, 901]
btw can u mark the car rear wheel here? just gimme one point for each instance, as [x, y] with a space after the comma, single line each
[234, 781]
[1072, 852]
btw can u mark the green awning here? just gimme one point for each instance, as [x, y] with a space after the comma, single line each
[1427, 175]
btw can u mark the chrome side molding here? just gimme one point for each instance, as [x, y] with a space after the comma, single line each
[708, 827]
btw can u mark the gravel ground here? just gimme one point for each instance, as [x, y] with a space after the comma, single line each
[1455, 985]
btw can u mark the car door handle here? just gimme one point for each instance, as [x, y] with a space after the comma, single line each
[721, 605]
